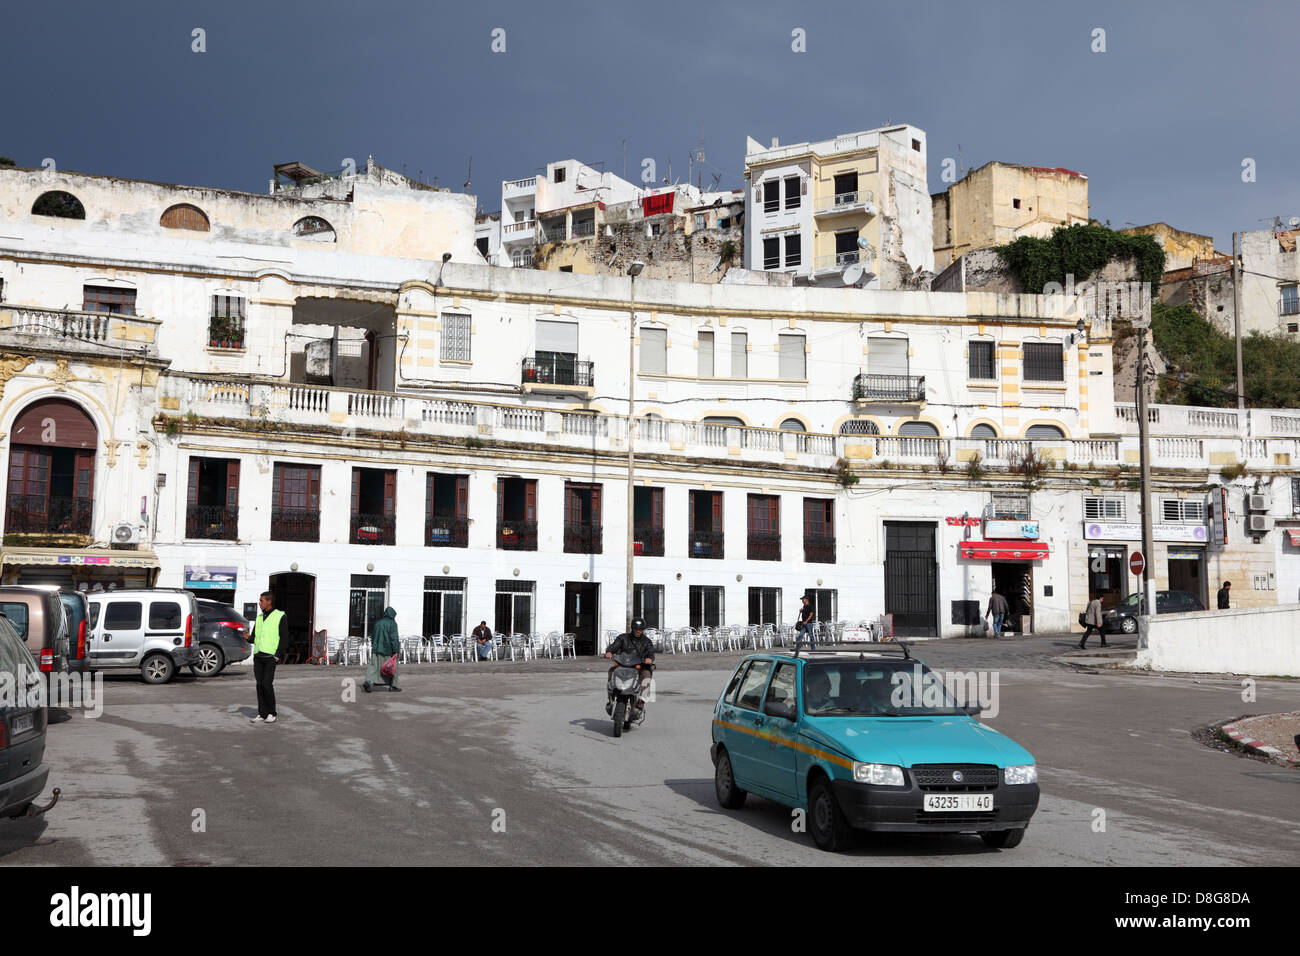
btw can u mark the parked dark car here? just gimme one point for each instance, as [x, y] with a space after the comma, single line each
[222, 638]
[1123, 616]
[22, 728]
[77, 610]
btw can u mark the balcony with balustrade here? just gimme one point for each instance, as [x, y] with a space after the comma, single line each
[706, 544]
[893, 389]
[515, 535]
[647, 540]
[582, 538]
[516, 232]
[72, 332]
[446, 532]
[763, 546]
[52, 515]
[819, 548]
[558, 374]
[372, 529]
[295, 524]
[854, 201]
[212, 522]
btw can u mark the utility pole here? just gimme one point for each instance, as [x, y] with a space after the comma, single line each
[1236, 324]
[633, 270]
[1144, 467]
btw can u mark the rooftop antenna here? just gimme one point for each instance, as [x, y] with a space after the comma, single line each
[468, 173]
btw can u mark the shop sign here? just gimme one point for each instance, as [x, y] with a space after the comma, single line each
[1003, 550]
[1102, 531]
[1003, 530]
[203, 578]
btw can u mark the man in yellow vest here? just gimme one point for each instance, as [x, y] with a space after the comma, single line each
[269, 644]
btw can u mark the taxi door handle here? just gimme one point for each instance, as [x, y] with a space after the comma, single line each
[759, 721]
[729, 714]
[108, 637]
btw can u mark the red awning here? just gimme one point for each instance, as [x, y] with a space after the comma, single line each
[1294, 535]
[1003, 550]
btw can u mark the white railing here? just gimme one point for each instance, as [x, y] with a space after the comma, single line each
[447, 413]
[1098, 451]
[218, 393]
[521, 419]
[1005, 449]
[1180, 448]
[299, 398]
[815, 444]
[1127, 412]
[652, 429]
[584, 423]
[519, 229]
[1256, 448]
[837, 260]
[846, 201]
[707, 434]
[529, 183]
[96, 327]
[1285, 424]
[374, 405]
[929, 449]
[1211, 418]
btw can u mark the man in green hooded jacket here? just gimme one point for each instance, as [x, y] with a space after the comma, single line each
[384, 643]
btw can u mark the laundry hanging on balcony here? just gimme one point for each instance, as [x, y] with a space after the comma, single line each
[656, 205]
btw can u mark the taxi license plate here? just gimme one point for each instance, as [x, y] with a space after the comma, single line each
[24, 723]
[968, 802]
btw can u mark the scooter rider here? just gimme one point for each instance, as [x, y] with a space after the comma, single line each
[637, 645]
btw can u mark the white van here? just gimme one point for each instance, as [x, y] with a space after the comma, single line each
[149, 630]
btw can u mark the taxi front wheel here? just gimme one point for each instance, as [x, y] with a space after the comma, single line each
[730, 796]
[830, 828]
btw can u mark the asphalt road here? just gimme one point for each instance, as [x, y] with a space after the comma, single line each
[515, 764]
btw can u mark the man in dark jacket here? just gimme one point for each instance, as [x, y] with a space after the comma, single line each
[634, 644]
[803, 626]
[1223, 595]
[270, 641]
[384, 643]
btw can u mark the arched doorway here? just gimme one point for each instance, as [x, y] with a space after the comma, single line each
[51, 470]
[294, 593]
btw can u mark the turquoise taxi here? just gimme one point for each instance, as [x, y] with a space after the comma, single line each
[867, 740]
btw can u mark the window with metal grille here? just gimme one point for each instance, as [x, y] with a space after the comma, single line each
[444, 606]
[792, 192]
[859, 426]
[824, 602]
[514, 606]
[1295, 496]
[981, 360]
[764, 606]
[455, 337]
[226, 325]
[701, 220]
[1044, 362]
[648, 603]
[772, 195]
[1182, 510]
[793, 249]
[707, 606]
[772, 253]
[1011, 507]
[1103, 509]
[792, 364]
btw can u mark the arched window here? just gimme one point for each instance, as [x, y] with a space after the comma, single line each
[983, 431]
[185, 216]
[1045, 432]
[60, 205]
[313, 227]
[917, 430]
[792, 425]
[51, 469]
[859, 426]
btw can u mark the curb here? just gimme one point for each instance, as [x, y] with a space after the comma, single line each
[1257, 746]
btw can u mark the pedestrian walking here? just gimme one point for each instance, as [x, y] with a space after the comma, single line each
[999, 609]
[270, 641]
[1092, 621]
[1223, 595]
[384, 644]
[803, 626]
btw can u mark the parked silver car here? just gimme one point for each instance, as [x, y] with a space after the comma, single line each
[147, 630]
[22, 729]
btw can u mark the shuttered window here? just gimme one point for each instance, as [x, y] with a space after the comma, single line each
[792, 365]
[705, 355]
[1103, 509]
[98, 298]
[654, 351]
[1182, 510]
[886, 356]
[739, 355]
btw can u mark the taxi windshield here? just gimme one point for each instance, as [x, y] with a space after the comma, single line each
[875, 689]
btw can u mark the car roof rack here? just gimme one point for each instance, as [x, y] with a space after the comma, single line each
[860, 648]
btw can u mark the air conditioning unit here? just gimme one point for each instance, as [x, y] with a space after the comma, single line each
[1257, 503]
[1259, 522]
[126, 533]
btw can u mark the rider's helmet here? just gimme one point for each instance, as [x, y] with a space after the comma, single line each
[638, 624]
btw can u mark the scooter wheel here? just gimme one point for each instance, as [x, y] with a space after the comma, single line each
[619, 709]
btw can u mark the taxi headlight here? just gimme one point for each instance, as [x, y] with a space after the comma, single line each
[879, 774]
[1024, 774]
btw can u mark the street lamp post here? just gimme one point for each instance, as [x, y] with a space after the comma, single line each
[633, 270]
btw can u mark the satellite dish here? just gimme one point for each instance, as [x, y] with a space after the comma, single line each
[853, 274]
[1294, 222]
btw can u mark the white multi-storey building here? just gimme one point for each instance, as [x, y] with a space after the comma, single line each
[196, 394]
[555, 207]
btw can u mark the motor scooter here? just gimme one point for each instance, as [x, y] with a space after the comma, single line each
[624, 687]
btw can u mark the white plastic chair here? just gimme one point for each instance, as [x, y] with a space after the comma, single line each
[519, 646]
[569, 644]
